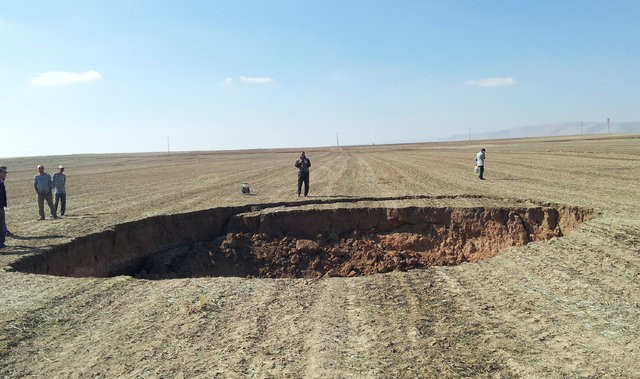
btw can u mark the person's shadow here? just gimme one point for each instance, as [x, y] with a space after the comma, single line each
[336, 196]
[24, 249]
[30, 238]
[18, 250]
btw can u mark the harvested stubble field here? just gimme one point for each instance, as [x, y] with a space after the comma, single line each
[564, 307]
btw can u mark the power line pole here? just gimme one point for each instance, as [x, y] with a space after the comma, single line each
[337, 143]
[168, 149]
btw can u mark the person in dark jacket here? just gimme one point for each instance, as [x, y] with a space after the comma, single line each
[303, 165]
[3, 204]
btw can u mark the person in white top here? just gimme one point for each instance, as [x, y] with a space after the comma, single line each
[480, 157]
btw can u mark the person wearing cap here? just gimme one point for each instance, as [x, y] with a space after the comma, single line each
[43, 185]
[3, 203]
[59, 180]
[303, 165]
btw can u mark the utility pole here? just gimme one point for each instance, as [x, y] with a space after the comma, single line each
[608, 127]
[337, 143]
[168, 149]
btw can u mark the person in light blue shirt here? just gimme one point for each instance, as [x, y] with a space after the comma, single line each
[43, 185]
[59, 181]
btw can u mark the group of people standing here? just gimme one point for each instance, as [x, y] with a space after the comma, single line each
[44, 185]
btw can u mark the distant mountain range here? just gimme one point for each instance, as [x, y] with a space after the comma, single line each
[556, 129]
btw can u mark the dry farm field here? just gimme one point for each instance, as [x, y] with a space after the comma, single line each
[400, 264]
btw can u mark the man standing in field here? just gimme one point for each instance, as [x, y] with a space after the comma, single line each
[59, 180]
[303, 165]
[43, 185]
[3, 203]
[480, 157]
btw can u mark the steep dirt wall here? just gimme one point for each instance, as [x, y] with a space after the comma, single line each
[121, 249]
[548, 221]
[180, 245]
[364, 241]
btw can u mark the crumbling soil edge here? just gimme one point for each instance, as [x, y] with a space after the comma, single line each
[124, 248]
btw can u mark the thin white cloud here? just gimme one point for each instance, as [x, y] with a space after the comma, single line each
[59, 78]
[254, 80]
[492, 82]
[228, 82]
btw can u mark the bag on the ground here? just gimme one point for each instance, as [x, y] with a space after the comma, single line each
[476, 169]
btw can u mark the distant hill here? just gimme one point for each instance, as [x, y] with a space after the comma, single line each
[555, 129]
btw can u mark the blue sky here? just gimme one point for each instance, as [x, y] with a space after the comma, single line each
[126, 75]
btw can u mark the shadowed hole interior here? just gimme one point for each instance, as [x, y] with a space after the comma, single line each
[252, 241]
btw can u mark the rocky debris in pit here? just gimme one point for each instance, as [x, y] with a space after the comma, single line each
[327, 255]
[197, 260]
[303, 243]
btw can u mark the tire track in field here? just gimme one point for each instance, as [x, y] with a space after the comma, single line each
[390, 179]
[251, 326]
[412, 177]
[327, 331]
[233, 322]
[342, 175]
[65, 316]
[278, 343]
[352, 332]
[424, 315]
[394, 327]
[535, 301]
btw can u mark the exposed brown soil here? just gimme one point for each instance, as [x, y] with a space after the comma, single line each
[564, 307]
[330, 245]
[293, 243]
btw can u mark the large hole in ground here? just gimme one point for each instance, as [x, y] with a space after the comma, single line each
[280, 241]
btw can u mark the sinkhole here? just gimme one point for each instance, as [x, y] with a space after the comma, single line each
[315, 239]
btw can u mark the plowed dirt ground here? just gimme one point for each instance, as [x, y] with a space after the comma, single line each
[568, 307]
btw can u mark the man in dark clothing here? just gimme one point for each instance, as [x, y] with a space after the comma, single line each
[3, 203]
[303, 165]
